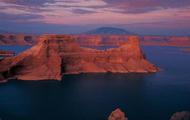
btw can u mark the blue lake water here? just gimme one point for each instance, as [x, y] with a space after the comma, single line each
[16, 49]
[94, 96]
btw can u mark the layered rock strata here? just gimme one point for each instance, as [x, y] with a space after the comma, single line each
[56, 55]
[117, 115]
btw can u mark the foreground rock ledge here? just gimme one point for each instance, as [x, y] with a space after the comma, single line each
[56, 55]
[184, 115]
[117, 115]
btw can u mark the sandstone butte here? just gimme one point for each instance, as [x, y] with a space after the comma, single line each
[56, 55]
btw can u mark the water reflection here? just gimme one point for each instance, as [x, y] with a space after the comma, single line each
[94, 96]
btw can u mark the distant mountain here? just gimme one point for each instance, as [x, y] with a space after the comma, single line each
[110, 31]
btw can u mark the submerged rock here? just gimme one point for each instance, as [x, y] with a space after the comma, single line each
[184, 115]
[56, 55]
[117, 115]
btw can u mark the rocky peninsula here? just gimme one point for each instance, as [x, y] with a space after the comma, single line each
[56, 55]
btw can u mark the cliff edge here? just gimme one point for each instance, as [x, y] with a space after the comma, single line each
[56, 55]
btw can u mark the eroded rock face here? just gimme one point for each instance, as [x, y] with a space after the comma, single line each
[117, 115]
[18, 39]
[6, 53]
[184, 115]
[56, 55]
[166, 40]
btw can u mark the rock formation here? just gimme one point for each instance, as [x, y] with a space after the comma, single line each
[117, 40]
[186, 50]
[166, 40]
[184, 115]
[18, 39]
[117, 115]
[98, 39]
[56, 55]
[6, 53]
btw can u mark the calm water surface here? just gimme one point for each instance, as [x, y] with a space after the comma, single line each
[94, 96]
[17, 49]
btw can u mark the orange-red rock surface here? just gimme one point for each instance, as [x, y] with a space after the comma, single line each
[166, 40]
[56, 55]
[117, 115]
[18, 39]
[6, 52]
[97, 40]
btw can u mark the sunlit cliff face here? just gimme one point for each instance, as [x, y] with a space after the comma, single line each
[56, 55]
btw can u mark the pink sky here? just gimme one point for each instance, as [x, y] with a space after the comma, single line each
[165, 13]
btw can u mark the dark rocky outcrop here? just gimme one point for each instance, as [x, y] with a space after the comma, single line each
[117, 115]
[56, 55]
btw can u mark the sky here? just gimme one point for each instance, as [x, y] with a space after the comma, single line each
[154, 17]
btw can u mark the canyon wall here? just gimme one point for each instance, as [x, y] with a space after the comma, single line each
[117, 40]
[98, 40]
[18, 39]
[6, 53]
[166, 40]
[56, 55]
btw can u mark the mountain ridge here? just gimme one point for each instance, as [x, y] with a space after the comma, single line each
[110, 31]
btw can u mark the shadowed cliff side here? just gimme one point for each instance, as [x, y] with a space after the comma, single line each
[56, 55]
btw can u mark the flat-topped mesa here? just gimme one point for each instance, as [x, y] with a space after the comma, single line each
[56, 38]
[18, 39]
[60, 43]
[56, 55]
[134, 40]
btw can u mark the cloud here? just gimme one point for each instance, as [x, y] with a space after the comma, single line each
[30, 3]
[24, 18]
[159, 13]
[143, 6]
[83, 11]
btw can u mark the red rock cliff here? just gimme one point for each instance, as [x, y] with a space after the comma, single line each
[56, 55]
[18, 39]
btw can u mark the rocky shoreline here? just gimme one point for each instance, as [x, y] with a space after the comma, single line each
[118, 114]
[56, 55]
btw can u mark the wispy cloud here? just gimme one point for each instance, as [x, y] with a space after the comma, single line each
[80, 12]
[144, 6]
